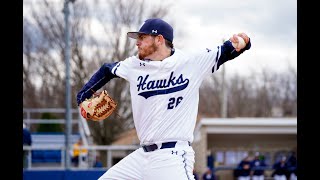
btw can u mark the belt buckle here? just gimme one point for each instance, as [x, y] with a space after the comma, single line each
[144, 148]
[153, 147]
[149, 148]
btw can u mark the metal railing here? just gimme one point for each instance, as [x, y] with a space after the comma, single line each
[92, 149]
[84, 130]
[31, 116]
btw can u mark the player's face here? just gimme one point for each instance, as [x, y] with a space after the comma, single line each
[146, 46]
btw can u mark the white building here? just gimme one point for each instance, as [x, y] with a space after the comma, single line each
[231, 139]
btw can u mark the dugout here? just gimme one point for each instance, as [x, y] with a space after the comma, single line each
[229, 140]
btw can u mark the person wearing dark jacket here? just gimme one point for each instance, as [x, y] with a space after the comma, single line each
[208, 175]
[292, 166]
[280, 169]
[258, 164]
[26, 141]
[244, 169]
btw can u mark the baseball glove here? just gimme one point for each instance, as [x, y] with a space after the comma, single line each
[98, 107]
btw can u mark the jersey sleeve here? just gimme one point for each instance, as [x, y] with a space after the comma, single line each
[228, 52]
[97, 80]
[123, 69]
[106, 72]
[209, 60]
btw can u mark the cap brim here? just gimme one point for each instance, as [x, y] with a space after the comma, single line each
[134, 35]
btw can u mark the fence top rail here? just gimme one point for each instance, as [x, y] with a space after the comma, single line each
[49, 121]
[44, 147]
[97, 147]
[41, 110]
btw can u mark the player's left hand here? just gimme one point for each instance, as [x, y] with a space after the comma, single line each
[98, 107]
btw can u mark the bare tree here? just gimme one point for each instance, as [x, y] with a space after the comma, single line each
[44, 51]
[240, 96]
[259, 94]
[288, 83]
[210, 100]
[29, 68]
[254, 95]
[123, 16]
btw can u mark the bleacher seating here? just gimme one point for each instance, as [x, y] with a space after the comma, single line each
[46, 156]
[49, 140]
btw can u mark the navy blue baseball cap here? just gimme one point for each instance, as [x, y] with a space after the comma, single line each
[154, 26]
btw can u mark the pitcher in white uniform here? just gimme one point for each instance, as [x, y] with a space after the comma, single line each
[164, 87]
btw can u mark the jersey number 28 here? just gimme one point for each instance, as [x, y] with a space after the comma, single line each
[173, 102]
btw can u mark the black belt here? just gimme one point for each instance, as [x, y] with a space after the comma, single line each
[152, 147]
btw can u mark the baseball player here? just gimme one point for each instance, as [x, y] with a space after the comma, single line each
[164, 87]
[257, 166]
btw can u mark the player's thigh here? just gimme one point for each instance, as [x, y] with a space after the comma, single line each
[129, 168]
[171, 164]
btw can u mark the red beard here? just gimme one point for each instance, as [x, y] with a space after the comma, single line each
[147, 51]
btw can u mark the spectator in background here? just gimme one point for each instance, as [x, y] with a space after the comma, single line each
[258, 164]
[208, 175]
[244, 169]
[210, 160]
[79, 153]
[280, 169]
[292, 166]
[97, 163]
[27, 141]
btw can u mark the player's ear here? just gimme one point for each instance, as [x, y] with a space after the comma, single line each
[160, 39]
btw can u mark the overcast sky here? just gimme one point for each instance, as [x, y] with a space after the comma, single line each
[271, 25]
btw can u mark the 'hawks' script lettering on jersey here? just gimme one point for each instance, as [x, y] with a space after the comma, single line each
[161, 86]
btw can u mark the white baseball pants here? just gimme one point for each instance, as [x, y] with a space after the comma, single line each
[169, 164]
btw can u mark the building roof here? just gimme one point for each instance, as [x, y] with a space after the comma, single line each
[249, 125]
[228, 126]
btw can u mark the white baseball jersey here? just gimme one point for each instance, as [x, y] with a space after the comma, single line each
[165, 94]
[165, 97]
